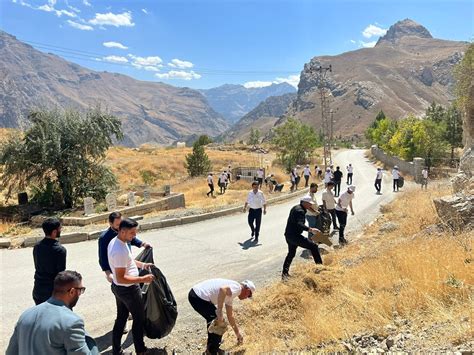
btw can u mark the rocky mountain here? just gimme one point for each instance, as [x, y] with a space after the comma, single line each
[263, 117]
[235, 101]
[406, 71]
[150, 112]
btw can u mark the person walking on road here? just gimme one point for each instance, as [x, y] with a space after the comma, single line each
[327, 176]
[378, 181]
[209, 297]
[350, 173]
[395, 176]
[318, 172]
[49, 257]
[306, 174]
[293, 234]
[210, 183]
[337, 181]
[52, 327]
[329, 203]
[312, 214]
[256, 202]
[344, 202]
[126, 288]
[229, 174]
[424, 178]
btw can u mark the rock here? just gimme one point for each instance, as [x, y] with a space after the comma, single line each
[426, 76]
[456, 211]
[5, 243]
[389, 342]
[389, 227]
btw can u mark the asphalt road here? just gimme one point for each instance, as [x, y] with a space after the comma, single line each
[186, 254]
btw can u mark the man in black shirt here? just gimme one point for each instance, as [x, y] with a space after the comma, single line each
[294, 227]
[50, 259]
[337, 181]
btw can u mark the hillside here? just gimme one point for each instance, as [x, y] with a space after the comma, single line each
[406, 71]
[235, 101]
[150, 112]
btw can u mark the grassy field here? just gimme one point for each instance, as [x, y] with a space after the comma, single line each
[408, 273]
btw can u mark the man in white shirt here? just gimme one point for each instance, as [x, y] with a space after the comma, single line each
[223, 182]
[318, 172]
[329, 203]
[424, 178]
[293, 180]
[344, 202]
[260, 175]
[255, 201]
[297, 176]
[210, 183]
[378, 181]
[125, 286]
[208, 299]
[395, 177]
[312, 214]
[327, 176]
[306, 174]
[350, 172]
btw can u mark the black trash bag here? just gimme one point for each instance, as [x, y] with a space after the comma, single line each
[323, 221]
[146, 256]
[401, 181]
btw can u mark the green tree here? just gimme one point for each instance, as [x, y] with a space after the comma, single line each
[453, 128]
[197, 162]
[295, 142]
[254, 137]
[65, 148]
[381, 131]
[435, 113]
[464, 74]
[204, 140]
[380, 116]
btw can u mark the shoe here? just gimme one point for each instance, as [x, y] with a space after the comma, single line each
[256, 240]
[285, 277]
[336, 228]
[343, 241]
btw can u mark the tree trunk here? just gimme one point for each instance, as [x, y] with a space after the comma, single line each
[66, 189]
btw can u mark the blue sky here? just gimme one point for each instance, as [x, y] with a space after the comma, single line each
[203, 44]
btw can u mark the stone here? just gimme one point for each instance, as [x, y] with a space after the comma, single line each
[88, 206]
[456, 211]
[167, 190]
[94, 235]
[131, 199]
[111, 202]
[388, 227]
[5, 243]
[146, 195]
[389, 342]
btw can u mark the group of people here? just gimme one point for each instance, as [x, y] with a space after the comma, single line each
[397, 178]
[223, 181]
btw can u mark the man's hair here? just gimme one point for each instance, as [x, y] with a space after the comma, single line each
[49, 225]
[65, 279]
[313, 184]
[128, 223]
[254, 183]
[332, 183]
[337, 168]
[113, 216]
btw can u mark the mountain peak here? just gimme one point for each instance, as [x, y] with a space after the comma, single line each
[404, 28]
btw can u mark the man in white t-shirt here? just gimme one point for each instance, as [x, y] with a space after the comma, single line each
[306, 175]
[260, 176]
[256, 202]
[395, 177]
[329, 202]
[327, 176]
[350, 173]
[125, 286]
[378, 181]
[223, 182]
[344, 202]
[210, 183]
[424, 178]
[208, 299]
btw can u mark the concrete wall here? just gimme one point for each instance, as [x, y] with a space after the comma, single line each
[410, 168]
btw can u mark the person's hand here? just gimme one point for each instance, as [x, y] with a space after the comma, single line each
[352, 212]
[220, 315]
[314, 230]
[240, 338]
[109, 277]
[244, 209]
[146, 265]
[146, 245]
[264, 212]
[148, 278]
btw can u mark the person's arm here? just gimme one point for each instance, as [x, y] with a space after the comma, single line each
[103, 258]
[61, 259]
[233, 324]
[352, 210]
[224, 291]
[13, 345]
[245, 206]
[75, 340]
[300, 221]
[136, 242]
[123, 278]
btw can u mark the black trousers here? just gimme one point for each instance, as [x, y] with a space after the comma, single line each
[208, 311]
[223, 186]
[255, 215]
[349, 178]
[306, 179]
[260, 182]
[42, 293]
[395, 184]
[342, 219]
[128, 299]
[337, 188]
[378, 184]
[211, 192]
[333, 217]
[294, 242]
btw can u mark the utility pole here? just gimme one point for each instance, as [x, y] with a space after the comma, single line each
[326, 113]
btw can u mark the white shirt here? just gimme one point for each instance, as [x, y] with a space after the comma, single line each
[395, 174]
[256, 200]
[327, 176]
[379, 174]
[293, 177]
[424, 172]
[345, 199]
[328, 197]
[209, 180]
[349, 169]
[209, 290]
[306, 171]
[120, 256]
[260, 174]
[309, 212]
[317, 170]
[223, 177]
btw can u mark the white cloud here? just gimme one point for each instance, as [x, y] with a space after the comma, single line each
[110, 19]
[181, 64]
[146, 61]
[80, 26]
[178, 74]
[114, 45]
[86, 3]
[372, 30]
[50, 8]
[353, 42]
[115, 59]
[150, 68]
[293, 80]
[367, 44]
[145, 11]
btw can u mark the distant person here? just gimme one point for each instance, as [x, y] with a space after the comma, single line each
[222, 182]
[350, 173]
[271, 183]
[424, 178]
[312, 214]
[344, 202]
[329, 203]
[210, 183]
[256, 202]
[395, 177]
[209, 297]
[331, 168]
[378, 181]
[337, 176]
[229, 174]
[49, 258]
[295, 226]
[260, 175]
[297, 177]
[126, 287]
[292, 180]
[318, 172]
[306, 175]
[52, 327]
[327, 176]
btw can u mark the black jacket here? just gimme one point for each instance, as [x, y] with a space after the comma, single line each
[50, 259]
[337, 175]
[296, 221]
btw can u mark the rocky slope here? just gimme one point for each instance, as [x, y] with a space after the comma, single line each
[406, 71]
[151, 112]
[235, 101]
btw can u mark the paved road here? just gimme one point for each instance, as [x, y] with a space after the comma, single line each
[186, 254]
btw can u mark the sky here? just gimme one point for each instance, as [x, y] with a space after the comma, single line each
[207, 43]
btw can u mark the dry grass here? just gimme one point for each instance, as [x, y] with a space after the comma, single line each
[408, 273]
